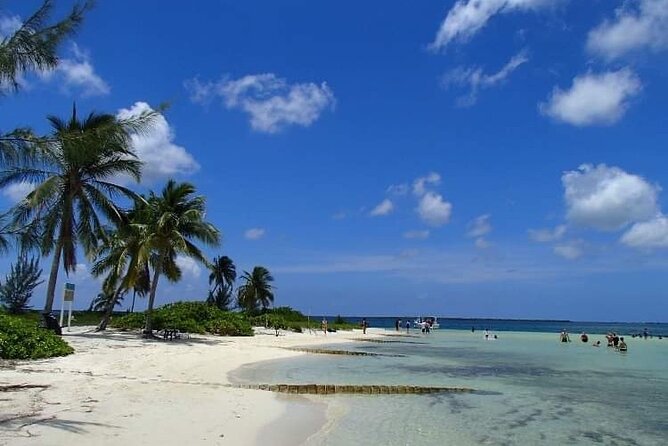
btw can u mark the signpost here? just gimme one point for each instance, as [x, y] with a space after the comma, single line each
[68, 296]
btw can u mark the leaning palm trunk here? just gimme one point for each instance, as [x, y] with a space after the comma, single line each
[53, 278]
[148, 329]
[134, 294]
[109, 310]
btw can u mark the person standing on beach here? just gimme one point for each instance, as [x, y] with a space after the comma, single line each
[396, 325]
[408, 326]
[364, 325]
[324, 325]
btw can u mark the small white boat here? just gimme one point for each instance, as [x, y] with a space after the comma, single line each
[431, 320]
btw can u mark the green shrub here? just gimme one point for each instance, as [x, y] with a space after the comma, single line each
[277, 323]
[230, 324]
[296, 327]
[131, 321]
[190, 317]
[287, 313]
[21, 339]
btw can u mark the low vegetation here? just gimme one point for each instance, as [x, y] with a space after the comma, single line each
[295, 321]
[21, 338]
[190, 317]
[16, 291]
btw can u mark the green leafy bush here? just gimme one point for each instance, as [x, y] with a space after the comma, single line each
[190, 317]
[297, 321]
[287, 313]
[130, 321]
[231, 324]
[295, 326]
[22, 339]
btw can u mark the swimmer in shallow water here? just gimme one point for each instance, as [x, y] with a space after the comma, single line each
[597, 344]
[564, 336]
[622, 345]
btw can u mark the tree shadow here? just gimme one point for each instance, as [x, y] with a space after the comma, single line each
[72, 426]
[139, 339]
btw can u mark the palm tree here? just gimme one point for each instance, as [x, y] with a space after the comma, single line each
[221, 297]
[105, 299]
[168, 226]
[222, 277]
[118, 259]
[34, 45]
[257, 289]
[74, 185]
[141, 286]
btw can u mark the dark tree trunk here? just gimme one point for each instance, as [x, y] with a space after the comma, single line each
[148, 329]
[53, 278]
[108, 312]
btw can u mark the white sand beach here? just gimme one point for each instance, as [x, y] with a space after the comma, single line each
[119, 389]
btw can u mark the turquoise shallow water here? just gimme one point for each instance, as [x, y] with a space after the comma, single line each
[531, 389]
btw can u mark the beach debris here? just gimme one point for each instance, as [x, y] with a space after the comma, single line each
[331, 389]
[323, 351]
[16, 387]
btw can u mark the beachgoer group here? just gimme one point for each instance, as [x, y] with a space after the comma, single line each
[613, 340]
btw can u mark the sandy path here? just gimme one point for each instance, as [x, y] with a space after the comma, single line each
[119, 389]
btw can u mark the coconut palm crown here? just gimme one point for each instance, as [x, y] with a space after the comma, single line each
[168, 227]
[257, 290]
[74, 184]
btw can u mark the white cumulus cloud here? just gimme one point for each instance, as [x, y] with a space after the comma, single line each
[608, 198]
[162, 158]
[398, 189]
[482, 243]
[420, 234]
[254, 233]
[648, 234]
[271, 102]
[385, 207]
[420, 184]
[77, 73]
[433, 210]
[638, 25]
[9, 24]
[17, 191]
[571, 250]
[188, 266]
[467, 17]
[475, 79]
[544, 235]
[593, 99]
[479, 226]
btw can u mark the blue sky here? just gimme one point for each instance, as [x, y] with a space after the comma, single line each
[502, 158]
